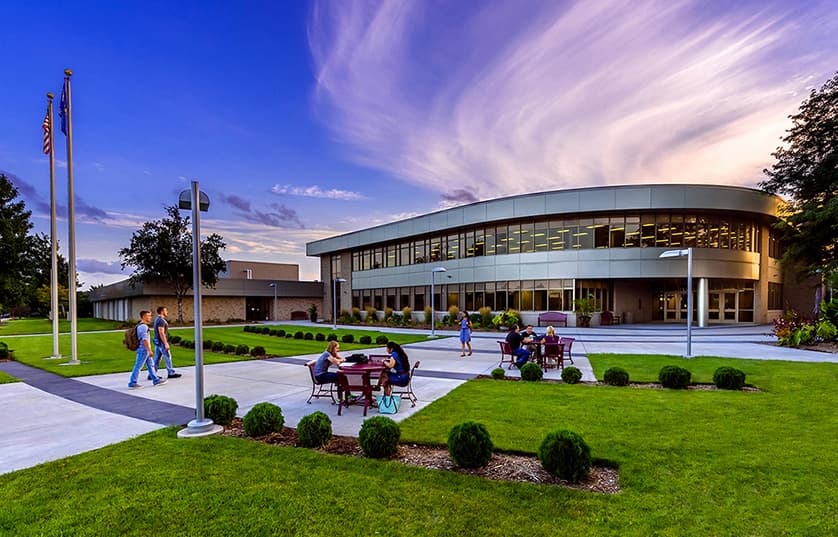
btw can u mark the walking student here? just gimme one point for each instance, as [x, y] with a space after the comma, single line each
[144, 355]
[161, 343]
[465, 333]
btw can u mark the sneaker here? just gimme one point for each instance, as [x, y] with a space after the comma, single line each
[160, 381]
[174, 375]
[135, 386]
[150, 377]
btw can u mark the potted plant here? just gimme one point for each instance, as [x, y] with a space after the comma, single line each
[312, 313]
[584, 308]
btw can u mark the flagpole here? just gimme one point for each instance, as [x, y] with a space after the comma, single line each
[53, 231]
[71, 224]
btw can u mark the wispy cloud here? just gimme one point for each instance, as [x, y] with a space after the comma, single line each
[316, 192]
[100, 267]
[459, 196]
[278, 215]
[41, 205]
[508, 100]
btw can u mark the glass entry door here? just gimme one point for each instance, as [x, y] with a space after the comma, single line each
[723, 306]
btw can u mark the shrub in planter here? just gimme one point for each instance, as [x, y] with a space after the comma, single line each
[314, 430]
[469, 445]
[407, 314]
[218, 346]
[308, 336]
[348, 338]
[531, 372]
[319, 336]
[571, 375]
[379, 437]
[229, 349]
[207, 344]
[365, 340]
[332, 337]
[280, 333]
[262, 419]
[175, 339]
[298, 334]
[220, 409]
[616, 376]
[826, 330]
[258, 351]
[729, 378]
[372, 314]
[382, 340]
[266, 330]
[565, 454]
[672, 376]
[498, 373]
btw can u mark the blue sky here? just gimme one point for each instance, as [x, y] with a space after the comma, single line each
[304, 120]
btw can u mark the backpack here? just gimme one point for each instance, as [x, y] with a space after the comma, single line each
[131, 341]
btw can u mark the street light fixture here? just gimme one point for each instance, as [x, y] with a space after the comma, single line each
[335, 283]
[200, 426]
[433, 308]
[688, 252]
[274, 286]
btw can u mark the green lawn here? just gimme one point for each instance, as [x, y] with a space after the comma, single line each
[5, 378]
[104, 352]
[691, 463]
[44, 326]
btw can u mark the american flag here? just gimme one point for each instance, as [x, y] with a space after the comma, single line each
[47, 127]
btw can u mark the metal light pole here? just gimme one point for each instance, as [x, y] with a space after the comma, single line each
[688, 252]
[433, 307]
[274, 286]
[200, 426]
[335, 283]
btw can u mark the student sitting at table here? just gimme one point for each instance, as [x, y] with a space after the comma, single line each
[398, 373]
[321, 366]
[551, 336]
[515, 339]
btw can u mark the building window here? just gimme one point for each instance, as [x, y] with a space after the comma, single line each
[775, 296]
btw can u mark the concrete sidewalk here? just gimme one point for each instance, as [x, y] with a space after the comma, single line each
[52, 417]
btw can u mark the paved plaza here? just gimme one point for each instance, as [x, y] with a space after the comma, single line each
[51, 417]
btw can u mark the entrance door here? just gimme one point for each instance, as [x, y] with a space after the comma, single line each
[723, 306]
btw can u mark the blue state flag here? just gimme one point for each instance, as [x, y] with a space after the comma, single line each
[62, 108]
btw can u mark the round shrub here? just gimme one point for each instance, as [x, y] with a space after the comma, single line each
[332, 337]
[308, 335]
[207, 344]
[258, 350]
[248, 328]
[218, 346]
[565, 454]
[498, 373]
[229, 349]
[469, 444]
[672, 376]
[348, 338]
[571, 375]
[616, 376]
[262, 419]
[187, 343]
[531, 372]
[289, 335]
[365, 340]
[382, 340]
[298, 334]
[280, 333]
[175, 339]
[319, 336]
[314, 430]
[242, 349]
[220, 409]
[272, 332]
[266, 330]
[729, 378]
[379, 437]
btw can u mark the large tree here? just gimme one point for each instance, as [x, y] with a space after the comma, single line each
[161, 252]
[806, 172]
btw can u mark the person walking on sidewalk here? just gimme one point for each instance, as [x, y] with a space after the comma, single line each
[144, 355]
[465, 333]
[161, 343]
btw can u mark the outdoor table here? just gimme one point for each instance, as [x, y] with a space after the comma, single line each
[536, 348]
[365, 372]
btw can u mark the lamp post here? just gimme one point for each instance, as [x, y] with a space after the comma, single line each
[688, 252]
[198, 201]
[335, 283]
[274, 286]
[433, 307]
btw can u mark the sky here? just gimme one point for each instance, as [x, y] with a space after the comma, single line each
[305, 120]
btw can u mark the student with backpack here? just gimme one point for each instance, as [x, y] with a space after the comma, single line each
[143, 348]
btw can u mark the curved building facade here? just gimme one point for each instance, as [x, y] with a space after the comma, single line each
[539, 252]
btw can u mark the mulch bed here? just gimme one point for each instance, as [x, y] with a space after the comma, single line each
[641, 385]
[501, 467]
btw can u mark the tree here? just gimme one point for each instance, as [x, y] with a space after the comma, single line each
[806, 170]
[161, 252]
[14, 240]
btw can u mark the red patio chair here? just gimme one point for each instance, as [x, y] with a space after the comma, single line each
[568, 344]
[553, 352]
[506, 350]
[318, 389]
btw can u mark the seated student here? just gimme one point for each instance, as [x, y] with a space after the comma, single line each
[321, 366]
[398, 373]
[515, 339]
[550, 336]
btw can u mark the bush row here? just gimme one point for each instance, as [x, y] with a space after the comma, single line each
[218, 346]
[346, 338]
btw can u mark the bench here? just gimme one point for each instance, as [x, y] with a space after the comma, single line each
[552, 317]
[299, 316]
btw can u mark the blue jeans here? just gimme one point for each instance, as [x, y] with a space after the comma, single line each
[160, 350]
[143, 357]
[523, 356]
[327, 378]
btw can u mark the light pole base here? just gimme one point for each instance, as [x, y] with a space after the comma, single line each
[72, 362]
[197, 429]
[54, 357]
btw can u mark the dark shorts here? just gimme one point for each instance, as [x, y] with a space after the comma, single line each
[398, 380]
[327, 378]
